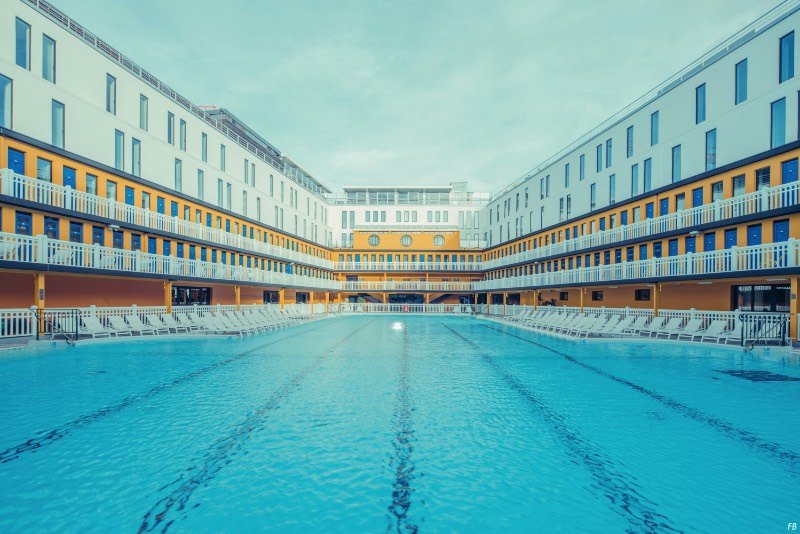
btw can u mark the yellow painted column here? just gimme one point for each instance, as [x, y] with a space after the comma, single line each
[535, 299]
[327, 301]
[505, 298]
[656, 298]
[38, 295]
[237, 297]
[168, 295]
[282, 296]
[427, 298]
[385, 298]
[581, 292]
[794, 307]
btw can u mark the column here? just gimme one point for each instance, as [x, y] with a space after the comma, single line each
[327, 301]
[535, 300]
[794, 308]
[168, 295]
[38, 298]
[656, 298]
[311, 300]
[581, 293]
[282, 296]
[237, 297]
[505, 298]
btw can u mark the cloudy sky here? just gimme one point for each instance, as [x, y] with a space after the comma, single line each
[419, 91]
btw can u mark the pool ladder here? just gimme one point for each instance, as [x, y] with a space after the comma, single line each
[55, 327]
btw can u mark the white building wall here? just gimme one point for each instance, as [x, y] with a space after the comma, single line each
[90, 130]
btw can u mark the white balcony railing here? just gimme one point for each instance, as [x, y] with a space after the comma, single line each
[406, 266]
[766, 257]
[771, 198]
[42, 250]
[31, 189]
[397, 285]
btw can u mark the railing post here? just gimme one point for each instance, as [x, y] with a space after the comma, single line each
[40, 249]
[791, 252]
[35, 320]
[96, 255]
[692, 313]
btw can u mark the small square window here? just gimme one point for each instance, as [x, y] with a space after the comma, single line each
[642, 294]
[597, 295]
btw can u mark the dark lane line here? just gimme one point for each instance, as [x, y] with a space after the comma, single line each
[47, 437]
[728, 429]
[221, 452]
[403, 445]
[619, 488]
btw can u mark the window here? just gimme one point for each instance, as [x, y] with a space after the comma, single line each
[5, 101]
[220, 195]
[258, 208]
[777, 123]
[91, 187]
[593, 197]
[374, 240]
[244, 204]
[654, 128]
[716, 191]
[608, 153]
[762, 178]
[178, 175]
[612, 188]
[676, 163]
[229, 198]
[599, 152]
[111, 94]
[222, 164]
[144, 112]
[23, 44]
[246, 171]
[136, 157]
[711, 149]
[582, 167]
[271, 185]
[700, 104]
[740, 88]
[786, 55]
[597, 295]
[438, 240]
[182, 134]
[111, 190]
[546, 186]
[634, 179]
[566, 183]
[170, 128]
[201, 184]
[541, 194]
[413, 216]
[44, 169]
[642, 294]
[629, 137]
[569, 206]
[57, 124]
[648, 175]
[738, 185]
[119, 150]
[406, 240]
[48, 59]
[367, 217]
[204, 146]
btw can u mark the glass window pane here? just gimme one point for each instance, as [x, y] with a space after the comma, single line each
[48, 59]
[58, 124]
[6, 96]
[23, 43]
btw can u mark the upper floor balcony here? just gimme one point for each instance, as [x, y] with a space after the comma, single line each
[31, 189]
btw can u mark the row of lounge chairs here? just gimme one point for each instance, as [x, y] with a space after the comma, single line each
[239, 322]
[613, 325]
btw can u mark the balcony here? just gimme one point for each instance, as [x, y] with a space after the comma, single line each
[41, 192]
[407, 266]
[398, 285]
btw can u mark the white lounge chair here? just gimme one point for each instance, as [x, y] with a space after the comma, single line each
[691, 329]
[170, 322]
[157, 324]
[654, 326]
[672, 327]
[93, 327]
[188, 323]
[119, 325]
[715, 330]
[138, 326]
[636, 326]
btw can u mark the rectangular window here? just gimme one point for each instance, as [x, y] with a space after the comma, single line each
[229, 196]
[57, 124]
[700, 104]
[244, 203]
[44, 169]
[204, 146]
[777, 123]
[597, 295]
[119, 150]
[220, 195]
[566, 182]
[612, 188]
[23, 42]
[738, 185]
[91, 187]
[642, 294]
[541, 193]
[740, 87]
[569, 206]
[546, 189]
[111, 94]
[786, 71]
[48, 59]
[111, 190]
[629, 137]
[599, 153]
[654, 128]
[271, 185]
[258, 208]
[634, 179]
[144, 112]
[582, 167]
[593, 197]
[6, 96]
[716, 191]
[676, 163]
[136, 157]
[711, 149]
[762, 178]
[170, 128]
[182, 133]
[648, 175]
[608, 153]
[178, 175]
[222, 159]
[201, 184]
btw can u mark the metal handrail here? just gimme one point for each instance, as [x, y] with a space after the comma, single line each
[55, 327]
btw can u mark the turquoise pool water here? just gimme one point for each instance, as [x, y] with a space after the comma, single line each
[398, 423]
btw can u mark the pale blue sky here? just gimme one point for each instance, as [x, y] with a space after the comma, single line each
[415, 92]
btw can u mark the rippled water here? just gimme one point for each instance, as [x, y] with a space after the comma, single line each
[399, 423]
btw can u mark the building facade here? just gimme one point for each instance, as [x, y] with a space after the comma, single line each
[118, 190]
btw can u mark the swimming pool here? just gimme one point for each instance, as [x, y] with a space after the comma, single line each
[405, 423]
